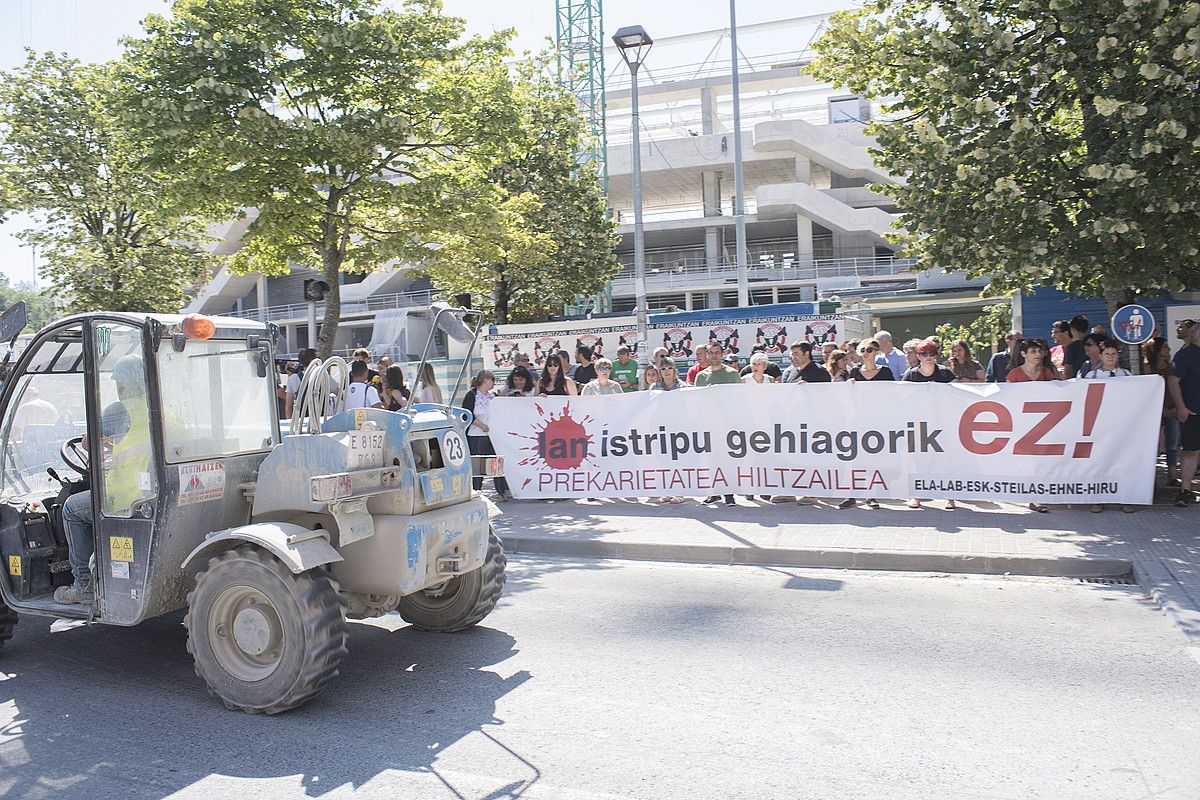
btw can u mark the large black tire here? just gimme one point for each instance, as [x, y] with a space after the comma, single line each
[8, 621]
[462, 601]
[263, 639]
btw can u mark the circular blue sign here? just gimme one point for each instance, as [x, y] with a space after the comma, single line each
[1133, 324]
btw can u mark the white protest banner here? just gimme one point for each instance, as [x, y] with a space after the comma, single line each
[1055, 442]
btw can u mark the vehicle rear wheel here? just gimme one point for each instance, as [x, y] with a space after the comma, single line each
[8, 621]
[263, 639]
[463, 600]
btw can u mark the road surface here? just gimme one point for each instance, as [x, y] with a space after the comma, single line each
[607, 679]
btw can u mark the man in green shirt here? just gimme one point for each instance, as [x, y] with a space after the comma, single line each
[625, 370]
[719, 372]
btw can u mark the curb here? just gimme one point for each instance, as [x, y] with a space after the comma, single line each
[890, 560]
[1156, 578]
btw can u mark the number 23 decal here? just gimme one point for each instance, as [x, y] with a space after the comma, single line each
[455, 449]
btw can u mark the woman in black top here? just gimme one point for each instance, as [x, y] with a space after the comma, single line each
[396, 394]
[928, 370]
[553, 382]
[868, 370]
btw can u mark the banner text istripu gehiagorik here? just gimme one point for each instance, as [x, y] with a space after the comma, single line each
[1063, 441]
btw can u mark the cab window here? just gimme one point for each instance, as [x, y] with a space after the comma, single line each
[127, 471]
[44, 412]
[215, 402]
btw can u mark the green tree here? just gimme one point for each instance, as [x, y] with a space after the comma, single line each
[1050, 142]
[981, 334]
[104, 225]
[356, 131]
[549, 238]
[40, 308]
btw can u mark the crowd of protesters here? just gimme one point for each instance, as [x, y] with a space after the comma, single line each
[1079, 351]
[381, 386]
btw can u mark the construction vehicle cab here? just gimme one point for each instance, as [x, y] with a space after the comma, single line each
[196, 501]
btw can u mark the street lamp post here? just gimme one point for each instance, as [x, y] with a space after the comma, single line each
[739, 188]
[634, 44]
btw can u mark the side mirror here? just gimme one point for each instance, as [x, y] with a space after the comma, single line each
[13, 321]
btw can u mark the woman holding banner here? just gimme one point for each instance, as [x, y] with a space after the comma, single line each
[479, 402]
[758, 371]
[519, 383]
[836, 364]
[554, 381]
[668, 378]
[867, 369]
[965, 368]
[929, 371]
[1036, 353]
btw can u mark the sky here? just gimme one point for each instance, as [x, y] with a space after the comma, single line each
[91, 30]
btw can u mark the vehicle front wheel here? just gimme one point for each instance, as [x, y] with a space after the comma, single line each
[263, 639]
[462, 601]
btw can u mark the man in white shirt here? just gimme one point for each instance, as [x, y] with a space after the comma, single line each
[890, 356]
[360, 394]
[33, 411]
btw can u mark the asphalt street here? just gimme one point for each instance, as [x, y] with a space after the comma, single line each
[611, 679]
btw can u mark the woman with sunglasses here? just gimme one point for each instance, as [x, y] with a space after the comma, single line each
[603, 383]
[867, 369]
[554, 381]
[1036, 355]
[668, 377]
[929, 371]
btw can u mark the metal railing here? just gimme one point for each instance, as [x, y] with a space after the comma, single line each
[693, 271]
[376, 302]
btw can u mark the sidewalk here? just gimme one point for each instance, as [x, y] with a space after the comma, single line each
[1159, 545]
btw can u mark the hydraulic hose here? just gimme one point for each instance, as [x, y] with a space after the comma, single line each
[322, 394]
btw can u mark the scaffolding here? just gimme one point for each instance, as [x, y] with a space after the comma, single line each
[579, 33]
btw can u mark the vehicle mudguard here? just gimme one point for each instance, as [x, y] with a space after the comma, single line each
[298, 547]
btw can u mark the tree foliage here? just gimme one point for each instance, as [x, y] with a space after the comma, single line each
[359, 133]
[38, 306]
[1042, 141]
[549, 238]
[982, 334]
[106, 230]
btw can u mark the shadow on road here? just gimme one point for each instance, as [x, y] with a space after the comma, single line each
[118, 712]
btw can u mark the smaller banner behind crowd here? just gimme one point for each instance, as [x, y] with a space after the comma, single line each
[737, 335]
[1058, 441]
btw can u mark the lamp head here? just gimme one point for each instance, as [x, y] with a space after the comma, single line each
[634, 43]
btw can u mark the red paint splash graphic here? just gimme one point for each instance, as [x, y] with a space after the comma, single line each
[560, 442]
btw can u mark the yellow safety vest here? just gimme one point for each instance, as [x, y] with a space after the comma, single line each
[130, 460]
